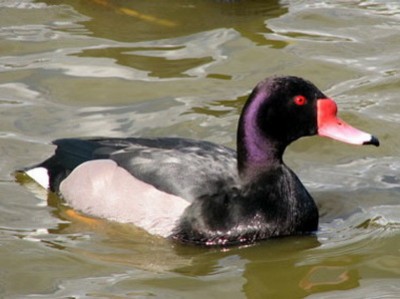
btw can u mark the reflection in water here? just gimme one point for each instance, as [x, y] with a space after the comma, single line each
[169, 62]
[134, 13]
[170, 20]
[326, 278]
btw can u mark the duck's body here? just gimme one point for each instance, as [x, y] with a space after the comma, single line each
[199, 192]
[183, 167]
[202, 176]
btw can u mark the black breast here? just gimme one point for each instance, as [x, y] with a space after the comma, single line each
[276, 204]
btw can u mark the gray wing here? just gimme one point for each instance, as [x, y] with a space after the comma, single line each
[186, 168]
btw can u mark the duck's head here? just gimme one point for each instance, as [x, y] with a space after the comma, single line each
[283, 109]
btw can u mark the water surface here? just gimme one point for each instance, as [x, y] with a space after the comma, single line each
[184, 68]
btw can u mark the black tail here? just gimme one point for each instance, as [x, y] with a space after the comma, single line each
[69, 154]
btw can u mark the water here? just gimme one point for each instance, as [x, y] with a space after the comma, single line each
[184, 68]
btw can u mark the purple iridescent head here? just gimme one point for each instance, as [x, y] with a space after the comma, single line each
[279, 111]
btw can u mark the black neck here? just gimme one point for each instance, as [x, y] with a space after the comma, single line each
[256, 151]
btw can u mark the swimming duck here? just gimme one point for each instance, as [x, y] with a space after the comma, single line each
[200, 192]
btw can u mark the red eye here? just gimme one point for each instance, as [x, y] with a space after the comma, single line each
[300, 100]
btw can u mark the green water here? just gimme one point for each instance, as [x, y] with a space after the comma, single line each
[184, 68]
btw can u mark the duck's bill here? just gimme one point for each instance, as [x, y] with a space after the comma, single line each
[329, 125]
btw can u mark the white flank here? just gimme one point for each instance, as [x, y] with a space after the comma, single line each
[40, 176]
[103, 189]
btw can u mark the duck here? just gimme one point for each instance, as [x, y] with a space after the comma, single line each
[198, 192]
